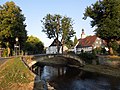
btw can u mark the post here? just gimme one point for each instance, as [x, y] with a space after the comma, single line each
[39, 71]
[0, 49]
[62, 70]
[17, 47]
[58, 71]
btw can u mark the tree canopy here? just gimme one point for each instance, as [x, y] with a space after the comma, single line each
[50, 24]
[56, 26]
[12, 25]
[105, 15]
[34, 45]
[67, 29]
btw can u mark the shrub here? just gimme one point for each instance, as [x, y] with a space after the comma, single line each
[71, 52]
[4, 54]
[87, 57]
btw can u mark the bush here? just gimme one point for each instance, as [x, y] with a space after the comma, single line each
[71, 52]
[87, 57]
[4, 54]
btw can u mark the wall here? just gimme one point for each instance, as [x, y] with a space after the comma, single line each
[109, 60]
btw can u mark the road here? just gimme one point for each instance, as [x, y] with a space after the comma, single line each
[3, 60]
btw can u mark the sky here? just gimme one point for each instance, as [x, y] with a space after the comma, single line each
[36, 10]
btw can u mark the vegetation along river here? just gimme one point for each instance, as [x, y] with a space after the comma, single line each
[76, 79]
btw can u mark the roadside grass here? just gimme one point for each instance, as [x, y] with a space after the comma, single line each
[14, 72]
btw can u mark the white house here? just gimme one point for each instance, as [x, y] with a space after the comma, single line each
[52, 49]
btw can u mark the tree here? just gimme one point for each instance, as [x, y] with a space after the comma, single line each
[69, 44]
[75, 40]
[105, 15]
[51, 26]
[34, 45]
[12, 25]
[67, 31]
[115, 46]
[56, 25]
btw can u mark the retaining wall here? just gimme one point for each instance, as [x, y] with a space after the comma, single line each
[113, 61]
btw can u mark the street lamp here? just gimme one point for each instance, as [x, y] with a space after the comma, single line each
[16, 39]
[17, 46]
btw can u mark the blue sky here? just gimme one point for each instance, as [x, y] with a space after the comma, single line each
[35, 10]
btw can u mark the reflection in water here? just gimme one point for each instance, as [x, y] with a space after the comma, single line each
[51, 72]
[75, 79]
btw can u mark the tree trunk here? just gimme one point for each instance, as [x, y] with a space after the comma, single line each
[111, 51]
[110, 48]
[57, 46]
[62, 45]
[58, 28]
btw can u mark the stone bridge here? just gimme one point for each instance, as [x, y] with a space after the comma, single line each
[53, 60]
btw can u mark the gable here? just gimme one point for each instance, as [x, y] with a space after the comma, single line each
[54, 43]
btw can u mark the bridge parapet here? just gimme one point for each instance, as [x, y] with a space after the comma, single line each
[45, 58]
[30, 60]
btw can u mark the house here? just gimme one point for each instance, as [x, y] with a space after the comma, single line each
[52, 49]
[88, 43]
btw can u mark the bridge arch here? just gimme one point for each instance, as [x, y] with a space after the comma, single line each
[54, 60]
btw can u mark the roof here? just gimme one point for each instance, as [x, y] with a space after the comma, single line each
[54, 43]
[87, 42]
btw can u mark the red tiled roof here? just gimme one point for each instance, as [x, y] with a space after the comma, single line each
[88, 41]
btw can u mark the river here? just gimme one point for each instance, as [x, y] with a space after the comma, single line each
[76, 79]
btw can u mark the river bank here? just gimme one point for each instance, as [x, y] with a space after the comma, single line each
[102, 69]
[14, 75]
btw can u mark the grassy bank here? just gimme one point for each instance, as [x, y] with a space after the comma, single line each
[14, 75]
[102, 69]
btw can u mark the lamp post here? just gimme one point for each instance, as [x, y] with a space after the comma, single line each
[16, 47]
[0, 49]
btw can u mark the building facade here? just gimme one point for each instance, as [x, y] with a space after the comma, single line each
[87, 43]
[52, 49]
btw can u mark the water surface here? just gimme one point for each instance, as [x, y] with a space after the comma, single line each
[75, 79]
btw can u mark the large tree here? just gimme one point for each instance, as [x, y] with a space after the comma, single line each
[67, 31]
[56, 25]
[34, 45]
[105, 15]
[12, 25]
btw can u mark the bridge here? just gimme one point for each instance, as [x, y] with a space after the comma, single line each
[65, 60]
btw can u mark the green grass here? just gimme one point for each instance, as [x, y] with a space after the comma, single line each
[14, 71]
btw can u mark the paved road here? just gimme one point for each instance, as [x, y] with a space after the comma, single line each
[2, 60]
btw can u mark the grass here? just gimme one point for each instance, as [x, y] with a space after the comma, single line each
[14, 72]
[102, 69]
